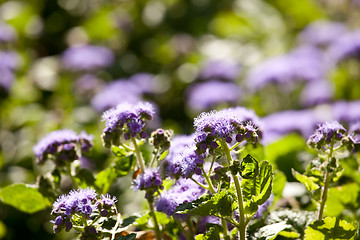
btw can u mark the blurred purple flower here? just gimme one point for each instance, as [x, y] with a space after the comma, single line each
[317, 92]
[9, 61]
[87, 85]
[304, 64]
[348, 112]
[282, 123]
[145, 82]
[220, 69]
[62, 144]
[322, 33]
[264, 207]
[354, 133]
[7, 33]
[346, 46]
[87, 58]
[184, 190]
[116, 92]
[207, 95]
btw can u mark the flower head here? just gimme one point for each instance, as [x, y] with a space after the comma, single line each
[126, 120]
[184, 190]
[346, 46]
[62, 145]
[7, 33]
[204, 96]
[220, 69]
[87, 57]
[150, 181]
[228, 124]
[327, 133]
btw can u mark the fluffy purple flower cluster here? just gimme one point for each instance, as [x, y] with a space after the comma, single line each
[230, 124]
[220, 69]
[126, 120]
[87, 58]
[203, 96]
[327, 133]
[62, 145]
[150, 181]
[82, 203]
[354, 133]
[184, 190]
[264, 207]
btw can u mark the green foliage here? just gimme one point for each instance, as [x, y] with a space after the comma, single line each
[24, 198]
[257, 190]
[219, 204]
[311, 183]
[249, 167]
[279, 181]
[340, 198]
[212, 233]
[331, 228]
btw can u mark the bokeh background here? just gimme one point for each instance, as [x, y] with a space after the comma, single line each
[64, 62]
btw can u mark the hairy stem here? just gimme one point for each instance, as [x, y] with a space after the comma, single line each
[69, 172]
[118, 220]
[152, 214]
[139, 156]
[242, 224]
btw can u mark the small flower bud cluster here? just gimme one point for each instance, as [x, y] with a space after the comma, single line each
[221, 174]
[228, 125]
[62, 145]
[160, 139]
[126, 121]
[150, 181]
[327, 133]
[82, 203]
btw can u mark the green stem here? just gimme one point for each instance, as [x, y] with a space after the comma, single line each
[155, 154]
[326, 183]
[191, 233]
[242, 224]
[138, 155]
[69, 172]
[152, 214]
[200, 184]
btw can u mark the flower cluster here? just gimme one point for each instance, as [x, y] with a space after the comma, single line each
[83, 204]
[229, 124]
[150, 181]
[184, 190]
[327, 133]
[87, 57]
[62, 145]
[127, 121]
[160, 139]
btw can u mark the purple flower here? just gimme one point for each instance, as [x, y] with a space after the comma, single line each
[225, 125]
[282, 123]
[354, 133]
[346, 46]
[304, 64]
[7, 33]
[184, 190]
[9, 61]
[126, 120]
[348, 112]
[62, 144]
[207, 95]
[116, 92]
[150, 181]
[317, 92]
[108, 201]
[145, 82]
[87, 85]
[322, 33]
[220, 69]
[327, 133]
[87, 58]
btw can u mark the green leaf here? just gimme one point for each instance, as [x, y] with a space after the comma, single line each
[24, 198]
[288, 234]
[2, 230]
[339, 198]
[219, 204]
[310, 183]
[269, 232]
[279, 182]
[256, 191]
[249, 167]
[163, 155]
[118, 151]
[105, 178]
[128, 221]
[123, 165]
[331, 228]
[86, 177]
[213, 233]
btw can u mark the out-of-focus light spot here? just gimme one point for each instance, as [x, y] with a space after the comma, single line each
[11, 9]
[129, 63]
[76, 35]
[69, 4]
[220, 49]
[34, 26]
[44, 73]
[187, 72]
[153, 13]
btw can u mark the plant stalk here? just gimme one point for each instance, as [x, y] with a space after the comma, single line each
[152, 214]
[139, 156]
